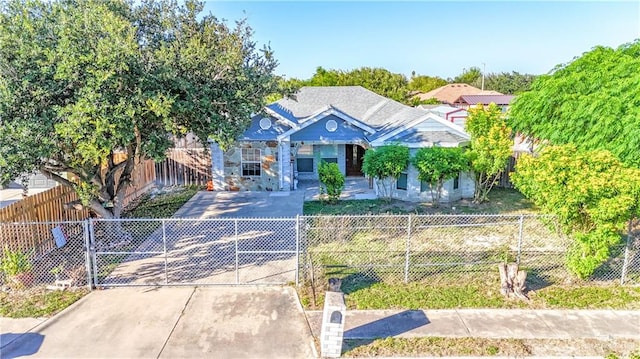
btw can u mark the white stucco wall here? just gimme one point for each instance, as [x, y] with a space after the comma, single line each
[449, 194]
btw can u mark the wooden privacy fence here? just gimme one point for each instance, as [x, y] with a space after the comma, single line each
[184, 167]
[48, 207]
[505, 178]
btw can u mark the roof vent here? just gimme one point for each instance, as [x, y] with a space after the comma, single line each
[331, 125]
[265, 123]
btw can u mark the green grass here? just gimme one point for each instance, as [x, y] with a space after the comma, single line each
[421, 296]
[501, 200]
[163, 205]
[486, 347]
[473, 293]
[590, 297]
[37, 302]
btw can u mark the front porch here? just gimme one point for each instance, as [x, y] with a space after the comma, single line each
[354, 188]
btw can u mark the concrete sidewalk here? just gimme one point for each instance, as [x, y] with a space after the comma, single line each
[176, 322]
[487, 323]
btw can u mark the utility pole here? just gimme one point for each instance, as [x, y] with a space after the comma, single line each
[484, 67]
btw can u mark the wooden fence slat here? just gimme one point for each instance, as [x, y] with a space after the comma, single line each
[48, 206]
[184, 166]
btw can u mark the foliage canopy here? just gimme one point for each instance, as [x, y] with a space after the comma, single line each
[509, 83]
[593, 194]
[331, 180]
[491, 147]
[82, 80]
[436, 165]
[592, 102]
[386, 164]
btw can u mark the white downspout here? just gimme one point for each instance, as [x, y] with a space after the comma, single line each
[280, 166]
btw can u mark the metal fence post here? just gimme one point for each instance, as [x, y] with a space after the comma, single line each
[87, 253]
[297, 249]
[520, 225]
[164, 245]
[237, 264]
[94, 251]
[625, 264]
[408, 251]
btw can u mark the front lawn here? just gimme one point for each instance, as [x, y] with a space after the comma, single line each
[477, 294]
[501, 201]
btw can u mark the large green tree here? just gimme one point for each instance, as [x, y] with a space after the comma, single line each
[423, 83]
[81, 80]
[491, 147]
[592, 102]
[510, 83]
[591, 192]
[468, 76]
[378, 80]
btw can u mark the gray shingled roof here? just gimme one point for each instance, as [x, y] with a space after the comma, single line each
[377, 111]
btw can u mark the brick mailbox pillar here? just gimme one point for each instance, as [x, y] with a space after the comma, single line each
[332, 325]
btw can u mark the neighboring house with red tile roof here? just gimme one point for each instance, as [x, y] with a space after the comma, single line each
[449, 93]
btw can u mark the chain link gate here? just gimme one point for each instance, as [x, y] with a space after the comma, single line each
[143, 252]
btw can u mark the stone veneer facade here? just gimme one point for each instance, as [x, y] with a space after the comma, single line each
[232, 162]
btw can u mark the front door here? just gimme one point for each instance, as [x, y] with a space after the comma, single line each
[354, 155]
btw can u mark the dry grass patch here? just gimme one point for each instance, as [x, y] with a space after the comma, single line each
[437, 346]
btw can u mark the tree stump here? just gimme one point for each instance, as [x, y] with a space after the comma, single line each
[512, 281]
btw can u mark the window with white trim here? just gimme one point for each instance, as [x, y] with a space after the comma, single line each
[401, 183]
[425, 186]
[251, 163]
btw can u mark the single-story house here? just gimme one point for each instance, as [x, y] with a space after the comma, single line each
[334, 124]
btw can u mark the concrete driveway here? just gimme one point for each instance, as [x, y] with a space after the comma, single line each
[242, 204]
[182, 322]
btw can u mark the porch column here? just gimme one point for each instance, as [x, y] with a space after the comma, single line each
[284, 158]
[217, 167]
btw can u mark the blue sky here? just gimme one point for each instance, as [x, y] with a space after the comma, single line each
[432, 38]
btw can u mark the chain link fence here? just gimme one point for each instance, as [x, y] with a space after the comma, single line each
[447, 248]
[44, 254]
[308, 249]
[194, 251]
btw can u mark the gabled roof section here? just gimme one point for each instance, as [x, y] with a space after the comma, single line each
[451, 92]
[357, 102]
[441, 125]
[264, 128]
[327, 111]
[281, 113]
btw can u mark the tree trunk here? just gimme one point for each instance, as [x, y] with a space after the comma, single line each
[512, 281]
